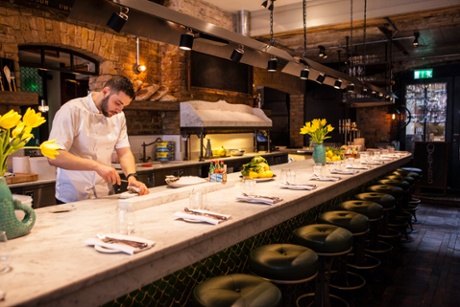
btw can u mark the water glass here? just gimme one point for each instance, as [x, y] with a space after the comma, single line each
[290, 177]
[248, 186]
[317, 169]
[195, 200]
[125, 219]
[4, 253]
[283, 175]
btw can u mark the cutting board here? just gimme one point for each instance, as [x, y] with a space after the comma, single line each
[21, 177]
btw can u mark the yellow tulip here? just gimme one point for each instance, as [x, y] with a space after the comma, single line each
[10, 119]
[22, 131]
[49, 149]
[32, 119]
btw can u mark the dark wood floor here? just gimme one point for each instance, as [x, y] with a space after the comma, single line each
[424, 272]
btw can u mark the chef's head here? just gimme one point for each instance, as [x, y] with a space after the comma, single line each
[118, 93]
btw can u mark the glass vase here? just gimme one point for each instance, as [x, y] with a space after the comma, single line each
[319, 154]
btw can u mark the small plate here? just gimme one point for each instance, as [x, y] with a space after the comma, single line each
[262, 179]
[105, 250]
[63, 208]
[127, 194]
[192, 220]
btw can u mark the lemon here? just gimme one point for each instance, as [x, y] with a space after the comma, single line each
[253, 175]
[222, 152]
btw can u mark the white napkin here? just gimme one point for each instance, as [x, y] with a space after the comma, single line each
[344, 172]
[373, 162]
[259, 199]
[200, 218]
[298, 186]
[326, 178]
[120, 246]
[357, 167]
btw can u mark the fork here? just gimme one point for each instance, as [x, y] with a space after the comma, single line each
[131, 243]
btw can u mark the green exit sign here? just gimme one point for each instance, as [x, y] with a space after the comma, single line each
[423, 74]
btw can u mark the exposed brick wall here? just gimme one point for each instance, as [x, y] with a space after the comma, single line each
[374, 124]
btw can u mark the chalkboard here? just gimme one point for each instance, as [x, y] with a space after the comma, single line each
[432, 158]
[217, 73]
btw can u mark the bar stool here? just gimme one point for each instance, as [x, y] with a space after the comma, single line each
[329, 242]
[284, 264]
[398, 219]
[374, 213]
[387, 202]
[413, 202]
[358, 225]
[236, 290]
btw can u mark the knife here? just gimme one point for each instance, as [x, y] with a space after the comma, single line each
[206, 213]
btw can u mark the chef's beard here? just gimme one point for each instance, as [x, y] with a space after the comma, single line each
[104, 106]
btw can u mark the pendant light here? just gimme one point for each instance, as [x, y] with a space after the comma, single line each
[305, 71]
[272, 63]
[118, 19]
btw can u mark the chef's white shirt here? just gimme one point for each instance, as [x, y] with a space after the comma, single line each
[80, 129]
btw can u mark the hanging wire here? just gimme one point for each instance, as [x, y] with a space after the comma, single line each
[272, 40]
[364, 40]
[304, 28]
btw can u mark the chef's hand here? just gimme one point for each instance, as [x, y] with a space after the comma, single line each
[143, 190]
[109, 174]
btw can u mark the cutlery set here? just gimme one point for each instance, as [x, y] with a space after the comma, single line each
[10, 80]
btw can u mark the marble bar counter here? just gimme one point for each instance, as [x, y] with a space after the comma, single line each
[53, 267]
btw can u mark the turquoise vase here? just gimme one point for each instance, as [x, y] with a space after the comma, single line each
[8, 220]
[319, 154]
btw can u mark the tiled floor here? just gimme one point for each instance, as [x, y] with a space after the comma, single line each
[426, 272]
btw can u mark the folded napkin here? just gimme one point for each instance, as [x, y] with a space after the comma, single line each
[118, 246]
[202, 216]
[298, 186]
[373, 162]
[344, 172]
[269, 200]
[326, 178]
[357, 167]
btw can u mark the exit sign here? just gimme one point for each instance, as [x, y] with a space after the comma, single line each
[423, 74]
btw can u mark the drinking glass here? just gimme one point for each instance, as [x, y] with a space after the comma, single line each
[283, 175]
[290, 177]
[125, 220]
[317, 169]
[248, 186]
[4, 254]
[195, 200]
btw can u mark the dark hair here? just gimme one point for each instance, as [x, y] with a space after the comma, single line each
[123, 84]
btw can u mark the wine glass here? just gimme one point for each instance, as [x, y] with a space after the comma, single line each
[4, 253]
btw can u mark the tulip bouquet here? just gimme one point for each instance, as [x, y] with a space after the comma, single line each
[317, 129]
[15, 133]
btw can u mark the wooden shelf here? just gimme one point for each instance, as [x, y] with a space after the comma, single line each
[154, 105]
[18, 98]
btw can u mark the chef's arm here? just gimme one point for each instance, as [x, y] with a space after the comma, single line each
[69, 161]
[128, 165]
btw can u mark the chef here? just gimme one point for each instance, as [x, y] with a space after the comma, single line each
[88, 129]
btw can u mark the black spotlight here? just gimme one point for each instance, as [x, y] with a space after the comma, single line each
[264, 4]
[350, 87]
[237, 54]
[186, 41]
[338, 84]
[118, 20]
[304, 73]
[322, 52]
[364, 91]
[271, 7]
[321, 77]
[415, 43]
[272, 64]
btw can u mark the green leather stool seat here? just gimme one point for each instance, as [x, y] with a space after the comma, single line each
[403, 184]
[385, 200]
[396, 192]
[411, 170]
[355, 222]
[324, 238]
[284, 263]
[370, 209]
[409, 179]
[236, 290]
[401, 172]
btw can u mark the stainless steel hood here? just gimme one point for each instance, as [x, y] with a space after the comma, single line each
[151, 20]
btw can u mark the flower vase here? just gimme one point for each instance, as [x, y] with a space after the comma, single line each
[319, 154]
[8, 220]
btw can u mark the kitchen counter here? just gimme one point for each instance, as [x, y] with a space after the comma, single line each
[51, 265]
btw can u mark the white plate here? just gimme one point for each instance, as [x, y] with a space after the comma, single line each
[63, 208]
[263, 179]
[192, 221]
[186, 181]
[127, 194]
[105, 250]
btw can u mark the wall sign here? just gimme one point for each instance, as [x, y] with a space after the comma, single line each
[423, 74]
